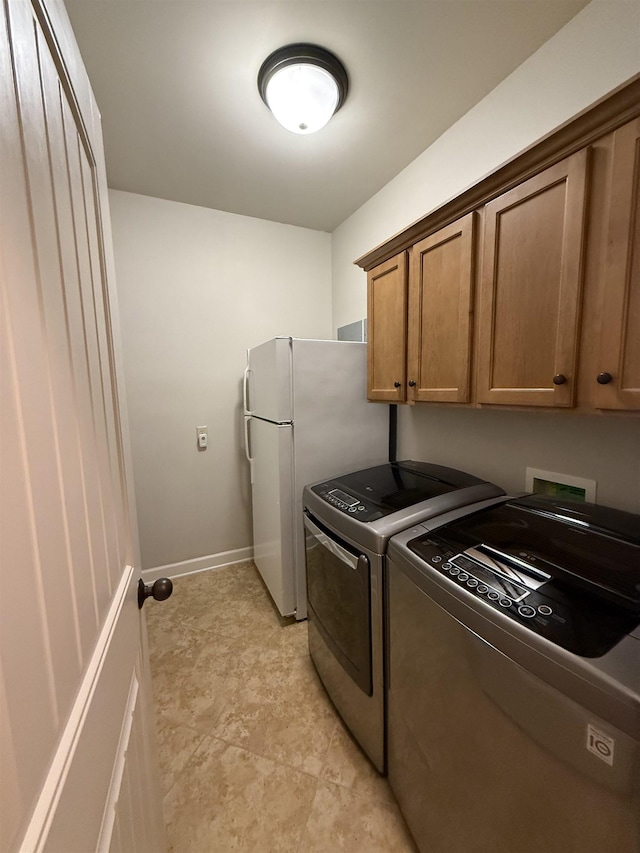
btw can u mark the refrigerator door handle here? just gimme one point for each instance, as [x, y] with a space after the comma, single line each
[245, 390]
[247, 418]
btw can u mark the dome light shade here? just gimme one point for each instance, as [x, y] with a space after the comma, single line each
[303, 85]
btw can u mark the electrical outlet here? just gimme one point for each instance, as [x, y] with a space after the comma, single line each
[202, 434]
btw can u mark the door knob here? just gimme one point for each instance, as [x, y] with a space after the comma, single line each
[160, 589]
[604, 378]
[559, 379]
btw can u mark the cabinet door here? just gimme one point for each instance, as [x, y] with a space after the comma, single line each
[440, 313]
[387, 330]
[531, 288]
[619, 360]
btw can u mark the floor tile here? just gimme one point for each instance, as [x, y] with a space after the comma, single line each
[230, 601]
[253, 754]
[176, 745]
[228, 799]
[346, 765]
[341, 819]
[193, 684]
[280, 712]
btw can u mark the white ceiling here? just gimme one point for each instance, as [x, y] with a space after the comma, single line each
[183, 119]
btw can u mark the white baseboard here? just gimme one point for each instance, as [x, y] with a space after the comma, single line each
[199, 564]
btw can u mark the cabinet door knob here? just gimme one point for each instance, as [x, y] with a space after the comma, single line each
[397, 384]
[604, 378]
[411, 383]
[559, 379]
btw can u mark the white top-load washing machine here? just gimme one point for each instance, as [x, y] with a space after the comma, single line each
[514, 679]
[348, 522]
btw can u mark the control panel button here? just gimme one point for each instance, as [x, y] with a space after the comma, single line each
[493, 595]
[446, 565]
[454, 571]
[436, 559]
[463, 576]
[482, 589]
[527, 611]
[505, 602]
[472, 582]
[545, 610]
[352, 509]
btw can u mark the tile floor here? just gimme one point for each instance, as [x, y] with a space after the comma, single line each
[253, 755]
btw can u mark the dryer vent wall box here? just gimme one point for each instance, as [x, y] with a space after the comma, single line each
[560, 485]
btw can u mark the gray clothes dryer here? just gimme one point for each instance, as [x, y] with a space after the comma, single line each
[348, 522]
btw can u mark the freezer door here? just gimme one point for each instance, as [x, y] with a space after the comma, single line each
[268, 381]
[273, 520]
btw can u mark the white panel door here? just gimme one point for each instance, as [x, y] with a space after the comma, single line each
[77, 759]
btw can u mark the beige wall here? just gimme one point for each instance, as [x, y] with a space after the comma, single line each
[593, 54]
[196, 288]
[499, 445]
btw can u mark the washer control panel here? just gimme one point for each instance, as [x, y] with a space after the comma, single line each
[563, 616]
[501, 591]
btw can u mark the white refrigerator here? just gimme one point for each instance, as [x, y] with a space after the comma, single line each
[306, 418]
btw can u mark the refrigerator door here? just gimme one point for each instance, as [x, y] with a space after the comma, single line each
[273, 518]
[308, 418]
[268, 381]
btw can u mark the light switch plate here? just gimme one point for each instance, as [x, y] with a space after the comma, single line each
[202, 434]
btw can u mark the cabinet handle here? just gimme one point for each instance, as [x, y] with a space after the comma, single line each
[397, 384]
[411, 383]
[559, 379]
[604, 378]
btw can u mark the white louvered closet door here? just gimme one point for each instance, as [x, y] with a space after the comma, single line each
[77, 761]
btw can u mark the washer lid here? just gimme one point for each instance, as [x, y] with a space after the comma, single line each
[385, 489]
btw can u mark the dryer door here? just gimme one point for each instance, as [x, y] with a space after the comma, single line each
[339, 595]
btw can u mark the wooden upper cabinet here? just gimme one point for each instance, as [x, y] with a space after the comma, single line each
[617, 384]
[387, 330]
[440, 314]
[530, 289]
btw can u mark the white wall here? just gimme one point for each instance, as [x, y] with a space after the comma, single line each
[593, 54]
[196, 288]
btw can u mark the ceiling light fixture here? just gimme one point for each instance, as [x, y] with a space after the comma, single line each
[303, 85]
